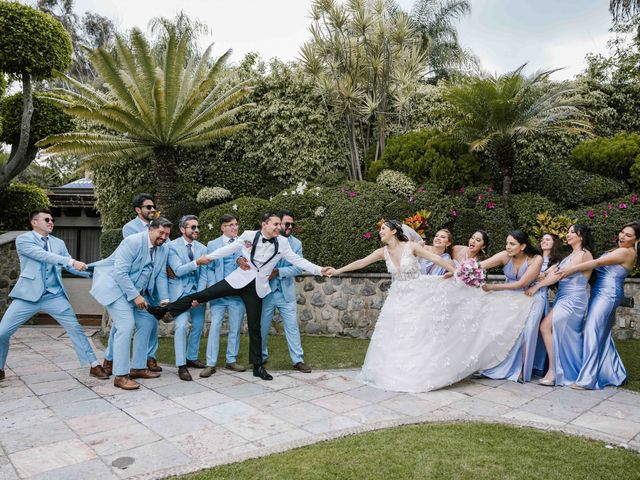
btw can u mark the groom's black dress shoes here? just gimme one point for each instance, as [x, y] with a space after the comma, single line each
[184, 374]
[262, 373]
[161, 313]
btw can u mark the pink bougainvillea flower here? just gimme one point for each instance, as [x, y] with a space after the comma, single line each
[489, 189]
[609, 206]
[461, 189]
[367, 236]
[454, 213]
[591, 214]
[622, 206]
[421, 189]
[352, 194]
[480, 197]
[634, 199]
[411, 199]
[605, 213]
[491, 206]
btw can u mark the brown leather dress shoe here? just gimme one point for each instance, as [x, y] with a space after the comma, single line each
[1, 374]
[152, 364]
[302, 367]
[98, 372]
[125, 383]
[108, 366]
[143, 373]
[207, 372]
[195, 364]
[184, 374]
[236, 367]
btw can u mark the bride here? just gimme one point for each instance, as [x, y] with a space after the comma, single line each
[432, 332]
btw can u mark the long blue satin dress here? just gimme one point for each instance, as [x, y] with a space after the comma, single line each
[512, 367]
[601, 364]
[427, 267]
[568, 310]
[540, 308]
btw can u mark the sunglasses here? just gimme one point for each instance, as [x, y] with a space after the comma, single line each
[289, 225]
[149, 207]
[194, 227]
[49, 220]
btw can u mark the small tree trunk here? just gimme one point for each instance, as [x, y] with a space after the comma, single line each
[21, 155]
[166, 169]
[506, 189]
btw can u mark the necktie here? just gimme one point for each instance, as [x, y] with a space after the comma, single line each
[152, 250]
[231, 240]
[46, 243]
[190, 251]
[270, 240]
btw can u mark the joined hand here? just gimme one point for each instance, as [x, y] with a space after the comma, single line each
[328, 271]
[78, 265]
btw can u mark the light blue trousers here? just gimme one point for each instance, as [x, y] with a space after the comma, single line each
[126, 317]
[60, 309]
[288, 313]
[235, 307]
[153, 341]
[188, 350]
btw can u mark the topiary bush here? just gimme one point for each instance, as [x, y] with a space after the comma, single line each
[612, 157]
[109, 240]
[247, 209]
[525, 207]
[397, 182]
[17, 201]
[47, 119]
[210, 196]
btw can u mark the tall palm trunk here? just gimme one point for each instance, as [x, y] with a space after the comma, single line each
[166, 171]
[506, 155]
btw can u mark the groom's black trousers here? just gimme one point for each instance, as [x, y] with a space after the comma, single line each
[252, 304]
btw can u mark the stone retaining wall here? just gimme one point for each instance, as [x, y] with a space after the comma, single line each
[9, 267]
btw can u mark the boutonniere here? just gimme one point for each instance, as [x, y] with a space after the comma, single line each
[248, 244]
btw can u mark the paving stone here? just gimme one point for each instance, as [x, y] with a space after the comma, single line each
[157, 409]
[479, 407]
[92, 470]
[244, 390]
[524, 416]
[24, 403]
[147, 458]
[623, 396]
[72, 409]
[530, 389]
[228, 412]
[553, 410]
[504, 397]
[55, 386]
[331, 424]
[99, 422]
[270, 400]
[119, 439]
[198, 401]
[180, 389]
[8, 393]
[340, 402]
[373, 414]
[166, 378]
[68, 397]
[339, 384]
[35, 435]
[258, 426]
[622, 411]
[301, 413]
[133, 398]
[489, 382]
[7, 471]
[409, 405]
[468, 387]
[371, 394]
[25, 418]
[282, 382]
[307, 392]
[441, 397]
[50, 457]
[293, 435]
[219, 380]
[209, 443]
[43, 377]
[178, 424]
[609, 425]
[579, 399]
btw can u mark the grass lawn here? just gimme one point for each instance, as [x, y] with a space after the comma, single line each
[630, 352]
[442, 451]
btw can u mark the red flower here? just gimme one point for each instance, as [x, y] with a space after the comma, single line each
[491, 206]
[298, 230]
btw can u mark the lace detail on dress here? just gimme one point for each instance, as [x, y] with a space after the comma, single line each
[409, 265]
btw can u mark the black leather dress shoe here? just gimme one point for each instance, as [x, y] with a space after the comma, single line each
[195, 364]
[262, 373]
[1, 374]
[184, 374]
[161, 313]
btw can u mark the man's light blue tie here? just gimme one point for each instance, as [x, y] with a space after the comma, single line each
[46, 243]
[152, 250]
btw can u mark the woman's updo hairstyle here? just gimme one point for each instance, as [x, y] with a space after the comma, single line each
[397, 226]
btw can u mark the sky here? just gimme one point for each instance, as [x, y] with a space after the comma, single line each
[504, 34]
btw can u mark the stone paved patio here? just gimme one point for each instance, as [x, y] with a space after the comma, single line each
[56, 422]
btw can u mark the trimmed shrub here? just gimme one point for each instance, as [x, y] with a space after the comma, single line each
[611, 157]
[17, 201]
[397, 182]
[525, 207]
[109, 241]
[555, 224]
[247, 209]
[210, 196]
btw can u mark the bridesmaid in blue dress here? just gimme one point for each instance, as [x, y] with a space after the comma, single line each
[561, 329]
[476, 248]
[521, 266]
[552, 254]
[442, 245]
[601, 364]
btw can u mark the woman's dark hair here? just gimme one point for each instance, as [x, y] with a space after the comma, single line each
[485, 240]
[397, 226]
[585, 234]
[635, 226]
[557, 249]
[449, 249]
[522, 238]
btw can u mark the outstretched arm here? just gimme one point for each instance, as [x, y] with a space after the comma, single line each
[617, 256]
[376, 256]
[532, 272]
[437, 259]
[500, 258]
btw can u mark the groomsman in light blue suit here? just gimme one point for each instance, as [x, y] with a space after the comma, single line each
[283, 297]
[40, 289]
[187, 261]
[132, 278]
[145, 209]
[234, 306]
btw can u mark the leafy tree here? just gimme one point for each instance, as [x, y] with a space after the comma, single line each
[622, 10]
[32, 46]
[612, 157]
[151, 107]
[492, 112]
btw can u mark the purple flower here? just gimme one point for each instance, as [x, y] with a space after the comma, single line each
[454, 213]
[622, 206]
[491, 206]
[591, 214]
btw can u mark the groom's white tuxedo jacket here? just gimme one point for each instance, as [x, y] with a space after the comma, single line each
[262, 257]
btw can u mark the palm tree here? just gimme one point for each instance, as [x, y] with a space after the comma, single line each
[493, 112]
[151, 106]
[623, 10]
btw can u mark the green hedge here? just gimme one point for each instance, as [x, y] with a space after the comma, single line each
[16, 201]
[612, 157]
[109, 241]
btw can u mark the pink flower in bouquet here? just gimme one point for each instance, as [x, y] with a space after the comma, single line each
[471, 274]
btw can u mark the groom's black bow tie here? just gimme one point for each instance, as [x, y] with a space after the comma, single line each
[270, 240]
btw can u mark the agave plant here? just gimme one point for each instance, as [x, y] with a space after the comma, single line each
[153, 103]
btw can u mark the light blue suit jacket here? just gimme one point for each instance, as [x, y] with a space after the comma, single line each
[215, 272]
[132, 227]
[33, 264]
[287, 272]
[187, 274]
[120, 274]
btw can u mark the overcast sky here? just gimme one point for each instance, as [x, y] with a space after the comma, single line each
[502, 33]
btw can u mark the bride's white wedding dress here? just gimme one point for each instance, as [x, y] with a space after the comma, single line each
[433, 332]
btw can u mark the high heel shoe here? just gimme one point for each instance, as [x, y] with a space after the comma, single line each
[547, 383]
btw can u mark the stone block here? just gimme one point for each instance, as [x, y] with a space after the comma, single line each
[326, 315]
[357, 281]
[357, 304]
[317, 300]
[336, 281]
[312, 328]
[319, 279]
[306, 315]
[376, 303]
[328, 289]
[347, 320]
[339, 303]
[348, 289]
[308, 286]
[301, 300]
[368, 290]
[334, 328]
[384, 285]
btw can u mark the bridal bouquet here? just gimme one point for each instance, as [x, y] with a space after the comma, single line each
[471, 273]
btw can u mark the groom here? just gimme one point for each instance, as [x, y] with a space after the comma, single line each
[263, 249]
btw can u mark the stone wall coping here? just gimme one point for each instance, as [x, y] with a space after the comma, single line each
[10, 236]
